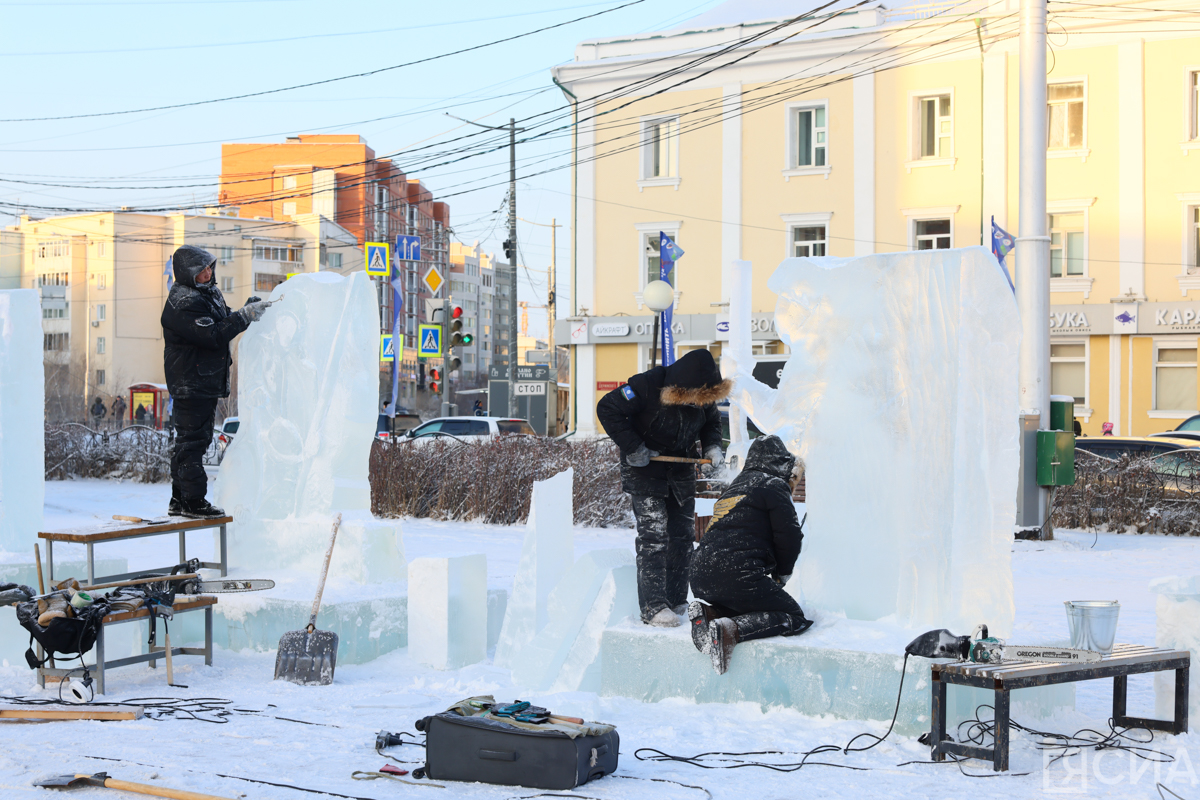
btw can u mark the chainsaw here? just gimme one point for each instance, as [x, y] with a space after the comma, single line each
[980, 648]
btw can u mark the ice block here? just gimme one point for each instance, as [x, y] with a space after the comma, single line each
[447, 611]
[22, 411]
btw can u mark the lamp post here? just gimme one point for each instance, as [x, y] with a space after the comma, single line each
[658, 295]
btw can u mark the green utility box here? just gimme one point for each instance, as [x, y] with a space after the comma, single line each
[1055, 458]
[1062, 413]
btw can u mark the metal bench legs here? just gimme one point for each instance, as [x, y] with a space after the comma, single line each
[941, 746]
[1176, 726]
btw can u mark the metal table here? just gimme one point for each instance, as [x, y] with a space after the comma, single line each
[90, 537]
[1002, 678]
[182, 606]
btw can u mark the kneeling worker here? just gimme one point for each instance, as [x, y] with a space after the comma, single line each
[746, 557]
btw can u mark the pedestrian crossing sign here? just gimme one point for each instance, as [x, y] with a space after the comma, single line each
[377, 258]
[429, 345]
[390, 347]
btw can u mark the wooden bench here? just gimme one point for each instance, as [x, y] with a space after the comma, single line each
[182, 605]
[90, 537]
[1002, 678]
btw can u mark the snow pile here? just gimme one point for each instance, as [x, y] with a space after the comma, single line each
[22, 401]
[901, 394]
[308, 387]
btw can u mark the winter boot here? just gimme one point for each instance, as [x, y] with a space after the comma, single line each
[722, 637]
[175, 507]
[699, 615]
[665, 618]
[199, 508]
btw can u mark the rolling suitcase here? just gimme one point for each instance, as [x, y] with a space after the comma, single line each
[488, 750]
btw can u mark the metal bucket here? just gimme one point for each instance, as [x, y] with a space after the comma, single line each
[1093, 624]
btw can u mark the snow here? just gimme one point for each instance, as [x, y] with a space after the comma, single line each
[447, 611]
[22, 400]
[392, 691]
[902, 379]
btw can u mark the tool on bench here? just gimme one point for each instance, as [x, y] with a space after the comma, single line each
[983, 649]
[681, 460]
[102, 780]
[143, 520]
[309, 656]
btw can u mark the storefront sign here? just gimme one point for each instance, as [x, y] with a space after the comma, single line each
[1169, 318]
[1081, 320]
[608, 386]
[610, 329]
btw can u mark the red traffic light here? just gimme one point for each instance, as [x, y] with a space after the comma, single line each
[434, 387]
[456, 313]
[435, 374]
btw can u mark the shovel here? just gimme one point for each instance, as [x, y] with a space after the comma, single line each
[308, 656]
[101, 779]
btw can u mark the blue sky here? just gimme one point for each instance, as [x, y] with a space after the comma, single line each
[63, 57]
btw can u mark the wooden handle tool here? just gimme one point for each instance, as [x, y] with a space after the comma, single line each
[679, 460]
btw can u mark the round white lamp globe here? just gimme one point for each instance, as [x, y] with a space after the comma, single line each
[658, 295]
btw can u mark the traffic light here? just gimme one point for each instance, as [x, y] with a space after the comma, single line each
[435, 380]
[455, 336]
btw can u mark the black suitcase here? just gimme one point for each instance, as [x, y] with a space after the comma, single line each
[459, 748]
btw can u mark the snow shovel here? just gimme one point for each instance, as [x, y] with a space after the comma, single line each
[101, 779]
[308, 656]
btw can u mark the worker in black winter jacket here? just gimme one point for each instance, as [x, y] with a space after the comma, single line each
[664, 411]
[747, 555]
[197, 330]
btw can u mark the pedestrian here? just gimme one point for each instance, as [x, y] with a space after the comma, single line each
[139, 414]
[1106, 429]
[118, 411]
[663, 411]
[98, 410]
[746, 557]
[478, 408]
[197, 329]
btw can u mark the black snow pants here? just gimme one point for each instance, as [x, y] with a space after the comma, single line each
[666, 530]
[753, 600]
[194, 419]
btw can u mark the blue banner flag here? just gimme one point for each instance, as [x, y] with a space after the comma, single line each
[1002, 245]
[397, 287]
[668, 254]
[169, 271]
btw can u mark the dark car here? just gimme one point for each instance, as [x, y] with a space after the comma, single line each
[1151, 446]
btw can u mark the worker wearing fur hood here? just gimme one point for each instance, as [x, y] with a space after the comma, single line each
[665, 411]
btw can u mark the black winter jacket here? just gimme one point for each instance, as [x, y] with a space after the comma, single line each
[754, 526]
[667, 409]
[197, 330]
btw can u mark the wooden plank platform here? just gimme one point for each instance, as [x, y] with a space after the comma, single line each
[110, 713]
[130, 530]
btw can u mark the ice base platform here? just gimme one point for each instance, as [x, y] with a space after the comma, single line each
[841, 668]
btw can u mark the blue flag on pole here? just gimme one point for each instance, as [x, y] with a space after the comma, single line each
[1002, 245]
[668, 254]
[397, 289]
[169, 271]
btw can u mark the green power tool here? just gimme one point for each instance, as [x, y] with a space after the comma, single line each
[981, 648]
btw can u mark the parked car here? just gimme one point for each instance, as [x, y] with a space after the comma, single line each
[386, 427]
[1117, 446]
[222, 437]
[464, 427]
[1188, 429]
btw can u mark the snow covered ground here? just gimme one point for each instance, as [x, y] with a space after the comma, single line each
[391, 692]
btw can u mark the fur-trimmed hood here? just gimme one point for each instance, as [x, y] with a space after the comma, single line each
[702, 396]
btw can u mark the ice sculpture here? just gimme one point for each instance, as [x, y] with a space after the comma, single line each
[600, 590]
[1178, 627]
[447, 611]
[547, 553]
[308, 388]
[22, 409]
[901, 394]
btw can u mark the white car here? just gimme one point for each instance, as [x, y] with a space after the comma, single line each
[469, 428]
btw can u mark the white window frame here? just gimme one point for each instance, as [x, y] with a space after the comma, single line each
[915, 160]
[1191, 106]
[226, 283]
[101, 312]
[101, 280]
[645, 178]
[652, 228]
[812, 220]
[101, 345]
[1074, 283]
[916, 215]
[1083, 151]
[1081, 410]
[1172, 343]
[100, 376]
[791, 165]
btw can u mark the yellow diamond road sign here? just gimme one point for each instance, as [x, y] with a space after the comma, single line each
[433, 279]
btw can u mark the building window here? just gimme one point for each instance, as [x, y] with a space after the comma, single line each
[810, 137]
[100, 345]
[651, 257]
[660, 139]
[101, 248]
[808, 241]
[1193, 240]
[52, 248]
[937, 127]
[101, 312]
[226, 284]
[1066, 245]
[1068, 370]
[289, 209]
[212, 226]
[54, 313]
[265, 281]
[289, 254]
[335, 260]
[932, 234]
[289, 182]
[99, 377]
[1175, 378]
[54, 279]
[227, 254]
[101, 281]
[58, 342]
[1064, 116]
[1194, 96]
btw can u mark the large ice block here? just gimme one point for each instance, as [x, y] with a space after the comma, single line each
[447, 611]
[547, 553]
[22, 411]
[901, 394]
[308, 387]
[600, 590]
[1177, 612]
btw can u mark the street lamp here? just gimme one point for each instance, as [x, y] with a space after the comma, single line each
[658, 295]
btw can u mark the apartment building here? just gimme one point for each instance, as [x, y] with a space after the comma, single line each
[472, 286]
[872, 129]
[104, 279]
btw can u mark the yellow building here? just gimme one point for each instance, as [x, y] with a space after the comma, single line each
[874, 129]
[103, 283]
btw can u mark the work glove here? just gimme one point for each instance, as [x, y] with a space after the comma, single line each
[717, 458]
[252, 312]
[640, 457]
[253, 299]
[782, 580]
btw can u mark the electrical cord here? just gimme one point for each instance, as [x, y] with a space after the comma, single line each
[213, 710]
